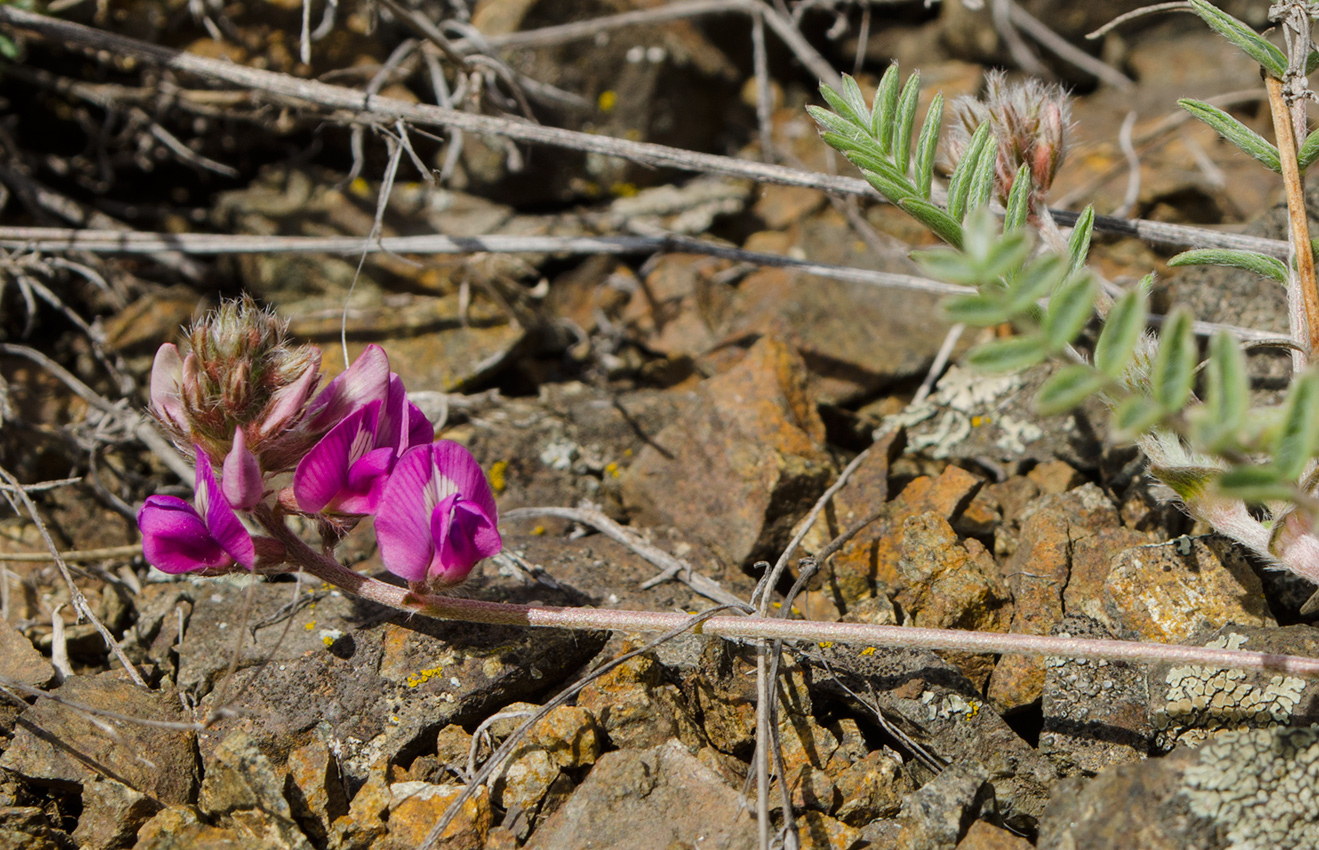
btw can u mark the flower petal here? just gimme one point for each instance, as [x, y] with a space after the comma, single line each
[323, 472]
[367, 477]
[403, 519]
[240, 477]
[221, 521]
[166, 380]
[174, 538]
[365, 381]
[402, 424]
[464, 534]
[464, 475]
[286, 404]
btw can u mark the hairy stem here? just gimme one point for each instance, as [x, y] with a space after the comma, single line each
[860, 634]
[1305, 325]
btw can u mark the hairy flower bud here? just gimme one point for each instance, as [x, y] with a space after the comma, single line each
[1030, 120]
[242, 372]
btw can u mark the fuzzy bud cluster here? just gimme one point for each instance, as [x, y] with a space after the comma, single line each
[241, 372]
[1030, 120]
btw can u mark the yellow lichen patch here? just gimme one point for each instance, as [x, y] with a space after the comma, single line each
[623, 190]
[827, 645]
[311, 625]
[977, 421]
[327, 640]
[360, 187]
[611, 469]
[869, 650]
[608, 100]
[421, 677]
[972, 709]
[498, 475]
[538, 530]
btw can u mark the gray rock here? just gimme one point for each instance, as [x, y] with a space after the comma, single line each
[1190, 705]
[1094, 710]
[1245, 789]
[678, 800]
[381, 691]
[938, 815]
[938, 709]
[243, 793]
[111, 815]
[974, 415]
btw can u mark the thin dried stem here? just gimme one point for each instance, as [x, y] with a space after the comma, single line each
[1303, 289]
[76, 597]
[352, 106]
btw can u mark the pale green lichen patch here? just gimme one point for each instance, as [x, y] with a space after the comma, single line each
[1202, 702]
[1260, 787]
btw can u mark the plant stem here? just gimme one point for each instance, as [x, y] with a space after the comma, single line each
[739, 627]
[1305, 325]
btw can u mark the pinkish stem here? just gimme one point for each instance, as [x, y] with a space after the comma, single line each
[502, 613]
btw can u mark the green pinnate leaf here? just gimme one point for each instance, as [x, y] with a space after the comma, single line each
[939, 222]
[856, 101]
[1173, 371]
[1254, 45]
[1078, 244]
[1309, 150]
[981, 187]
[1018, 205]
[975, 310]
[1122, 330]
[927, 145]
[1067, 388]
[1235, 132]
[1069, 311]
[1135, 415]
[883, 117]
[1260, 264]
[959, 184]
[843, 110]
[1009, 355]
[1227, 393]
[1298, 439]
[904, 122]
[1037, 280]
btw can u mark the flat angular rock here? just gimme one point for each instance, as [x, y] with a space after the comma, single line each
[950, 585]
[60, 746]
[415, 807]
[752, 449]
[868, 564]
[1168, 592]
[243, 792]
[678, 799]
[19, 660]
[938, 814]
[856, 339]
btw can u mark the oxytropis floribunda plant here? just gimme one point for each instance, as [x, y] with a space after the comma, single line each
[244, 401]
[1249, 471]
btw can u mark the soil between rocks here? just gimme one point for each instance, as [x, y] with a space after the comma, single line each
[703, 403]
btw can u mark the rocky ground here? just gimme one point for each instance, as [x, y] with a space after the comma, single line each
[704, 403]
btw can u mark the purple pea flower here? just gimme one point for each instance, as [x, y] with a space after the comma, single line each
[437, 516]
[345, 472]
[178, 538]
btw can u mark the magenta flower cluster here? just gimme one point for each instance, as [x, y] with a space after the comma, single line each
[244, 400]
